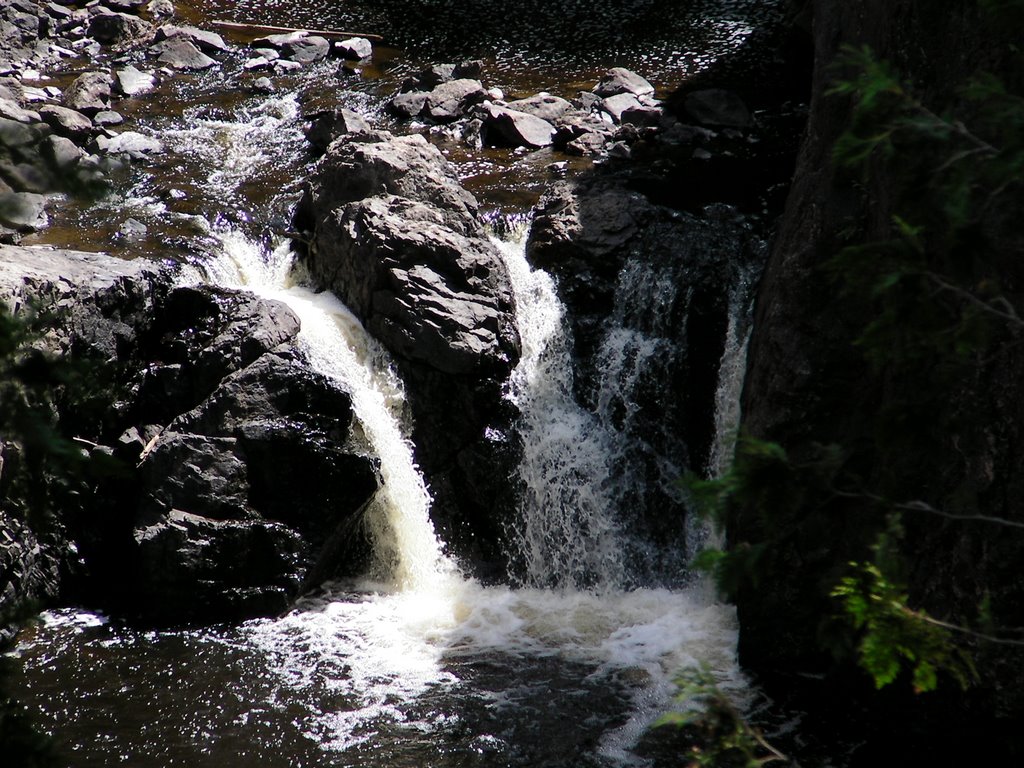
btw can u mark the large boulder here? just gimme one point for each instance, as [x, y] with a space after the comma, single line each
[397, 238]
[236, 464]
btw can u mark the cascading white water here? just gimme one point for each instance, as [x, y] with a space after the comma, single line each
[566, 534]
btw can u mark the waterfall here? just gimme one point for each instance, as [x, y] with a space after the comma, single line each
[566, 534]
[338, 347]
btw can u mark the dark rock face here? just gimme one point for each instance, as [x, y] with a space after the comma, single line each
[807, 384]
[396, 237]
[237, 462]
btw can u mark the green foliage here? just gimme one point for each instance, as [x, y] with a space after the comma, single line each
[719, 734]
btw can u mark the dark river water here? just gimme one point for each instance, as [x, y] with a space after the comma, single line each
[449, 672]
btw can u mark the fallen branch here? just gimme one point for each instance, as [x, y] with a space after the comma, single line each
[266, 29]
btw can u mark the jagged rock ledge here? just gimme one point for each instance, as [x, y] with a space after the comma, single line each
[395, 236]
[214, 419]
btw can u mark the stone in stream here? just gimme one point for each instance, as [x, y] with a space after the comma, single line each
[132, 143]
[616, 105]
[354, 48]
[204, 40]
[23, 211]
[642, 115]
[67, 122]
[62, 153]
[717, 107]
[89, 93]
[25, 177]
[212, 404]
[179, 53]
[325, 127]
[14, 134]
[108, 118]
[160, 9]
[393, 233]
[119, 29]
[11, 110]
[409, 104]
[620, 80]
[450, 100]
[130, 81]
[542, 105]
[517, 129]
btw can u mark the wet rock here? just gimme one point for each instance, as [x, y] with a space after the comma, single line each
[264, 85]
[131, 81]
[179, 53]
[616, 105]
[325, 127]
[307, 50]
[300, 47]
[543, 105]
[393, 234]
[61, 152]
[643, 116]
[136, 145]
[429, 301]
[25, 177]
[204, 40]
[381, 164]
[409, 104]
[29, 570]
[11, 110]
[354, 48]
[619, 80]
[718, 107]
[66, 122]
[191, 568]
[119, 29]
[450, 100]
[517, 129]
[23, 211]
[89, 93]
[160, 9]
[14, 134]
[287, 65]
[108, 119]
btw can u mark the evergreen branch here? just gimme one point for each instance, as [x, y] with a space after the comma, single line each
[921, 616]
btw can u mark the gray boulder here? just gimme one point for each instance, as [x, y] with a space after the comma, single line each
[23, 211]
[204, 40]
[450, 100]
[119, 29]
[619, 103]
[542, 105]
[179, 53]
[67, 122]
[131, 81]
[409, 104]
[325, 127]
[89, 93]
[354, 48]
[619, 80]
[395, 236]
[518, 129]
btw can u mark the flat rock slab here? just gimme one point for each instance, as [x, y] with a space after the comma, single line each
[620, 80]
[179, 53]
[517, 129]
